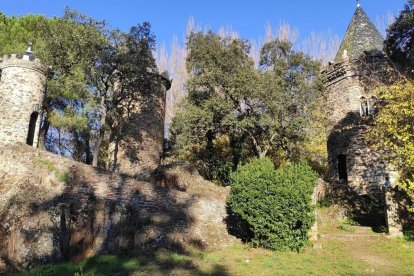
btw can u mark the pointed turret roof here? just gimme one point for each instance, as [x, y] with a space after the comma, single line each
[360, 36]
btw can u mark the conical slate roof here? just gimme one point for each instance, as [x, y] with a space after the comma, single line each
[360, 36]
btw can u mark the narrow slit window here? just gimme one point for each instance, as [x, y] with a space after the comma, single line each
[32, 128]
[342, 167]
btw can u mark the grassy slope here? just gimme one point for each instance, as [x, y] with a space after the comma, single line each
[370, 257]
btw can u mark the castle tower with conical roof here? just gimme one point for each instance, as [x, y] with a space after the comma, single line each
[22, 90]
[352, 104]
[361, 36]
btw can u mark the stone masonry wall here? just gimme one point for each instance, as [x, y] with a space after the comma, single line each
[137, 147]
[22, 87]
[366, 168]
[54, 209]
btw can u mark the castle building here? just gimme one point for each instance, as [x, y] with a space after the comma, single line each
[22, 90]
[135, 150]
[350, 82]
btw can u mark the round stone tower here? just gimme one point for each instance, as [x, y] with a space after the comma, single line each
[350, 86]
[22, 90]
[136, 148]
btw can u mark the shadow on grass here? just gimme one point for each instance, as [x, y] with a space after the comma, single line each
[408, 231]
[162, 262]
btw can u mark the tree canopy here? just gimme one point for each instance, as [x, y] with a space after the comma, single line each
[93, 69]
[400, 37]
[235, 111]
[394, 130]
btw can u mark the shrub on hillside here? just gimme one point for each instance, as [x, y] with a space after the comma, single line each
[275, 204]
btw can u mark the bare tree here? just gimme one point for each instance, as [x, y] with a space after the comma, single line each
[383, 22]
[321, 46]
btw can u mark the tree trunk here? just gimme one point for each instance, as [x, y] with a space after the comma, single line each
[101, 134]
[43, 133]
[236, 144]
[97, 146]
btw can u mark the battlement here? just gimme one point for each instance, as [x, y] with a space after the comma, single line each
[22, 90]
[22, 61]
[335, 72]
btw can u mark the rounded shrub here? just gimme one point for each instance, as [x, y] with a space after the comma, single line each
[275, 204]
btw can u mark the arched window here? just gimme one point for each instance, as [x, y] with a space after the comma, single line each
[373, 105]
[32, 128]
[364, 106]
[342, 169]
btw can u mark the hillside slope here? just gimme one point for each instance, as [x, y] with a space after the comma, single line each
[54, 209]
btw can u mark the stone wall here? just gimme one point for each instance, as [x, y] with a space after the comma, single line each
[137, 144]
[22, 87]
[366, 168]
[54, 209]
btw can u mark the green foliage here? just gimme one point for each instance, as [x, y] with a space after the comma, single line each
[282, 108]
[62, 176]
[400, 37]
[99, 265]
[71, 46]
[48, 164]
[408, 231]
[17, 32]
[124, 75]
[347, 225]
[326, 202]
[394, 130]
[68, 45]
[263, 111]
[239, 259]
[276, 204]
[86, 60]
[204, 129]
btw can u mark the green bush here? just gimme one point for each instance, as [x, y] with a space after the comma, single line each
[275, 204]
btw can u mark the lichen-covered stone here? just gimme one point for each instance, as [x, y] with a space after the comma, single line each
[360, 36]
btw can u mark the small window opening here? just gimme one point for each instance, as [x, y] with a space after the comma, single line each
[32, 128]
[342, 169]
[373, 105]
[364, 106]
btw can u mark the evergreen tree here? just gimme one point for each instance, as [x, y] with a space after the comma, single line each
[125, 73]
[400, 38]
[234, 111]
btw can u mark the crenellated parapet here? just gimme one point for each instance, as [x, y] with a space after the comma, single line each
[22, 61]
[335, 72]
[22, 92]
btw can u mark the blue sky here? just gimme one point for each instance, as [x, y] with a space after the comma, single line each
[246, 17]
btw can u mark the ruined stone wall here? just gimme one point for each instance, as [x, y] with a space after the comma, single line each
[54, 209]
[22, 87]
[137, 145]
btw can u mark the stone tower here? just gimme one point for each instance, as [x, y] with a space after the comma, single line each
[22, 90]
[137, 149]
[352, 104]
